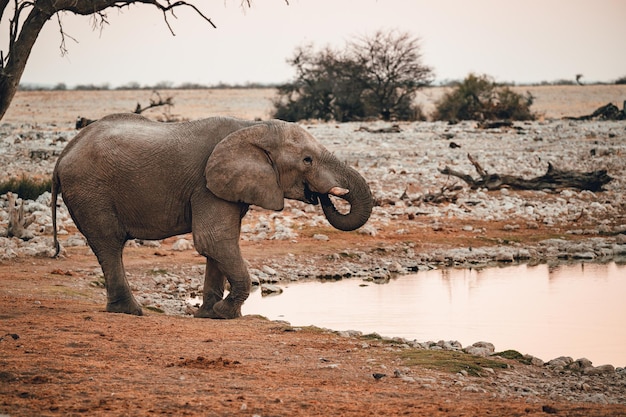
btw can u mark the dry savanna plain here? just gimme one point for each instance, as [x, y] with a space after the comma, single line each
[62, 355]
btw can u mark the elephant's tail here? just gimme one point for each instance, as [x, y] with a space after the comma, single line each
[56, 188]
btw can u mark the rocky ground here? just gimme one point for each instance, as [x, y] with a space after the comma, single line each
[418, 208]
[423, 220]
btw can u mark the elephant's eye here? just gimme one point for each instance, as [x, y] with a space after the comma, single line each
[307, 160]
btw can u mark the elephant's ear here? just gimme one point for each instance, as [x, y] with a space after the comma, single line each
[240, 169]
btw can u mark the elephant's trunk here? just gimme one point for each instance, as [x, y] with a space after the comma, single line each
[357, 193]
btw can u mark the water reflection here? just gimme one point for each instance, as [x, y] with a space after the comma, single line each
[573, 310]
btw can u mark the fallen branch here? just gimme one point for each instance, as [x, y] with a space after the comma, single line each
[154, 103]
[553, 179]
[157, 101]
[447, 194]
[607, 112]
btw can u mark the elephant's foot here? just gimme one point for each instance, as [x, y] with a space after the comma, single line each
[226, 309]
[126, 306]
[206, 309]
[206, 313]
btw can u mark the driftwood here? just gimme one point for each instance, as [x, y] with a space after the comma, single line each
[553, 179]
[607, 112]
[18, 222]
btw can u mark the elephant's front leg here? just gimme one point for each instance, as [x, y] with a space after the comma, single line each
[213, 290]
[232, 265]
[216, 227]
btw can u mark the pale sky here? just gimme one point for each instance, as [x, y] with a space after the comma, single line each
[520, 41]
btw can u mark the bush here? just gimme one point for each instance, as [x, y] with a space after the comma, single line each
[374, 77]
[25, 187]
[621, 80]
[480, 98]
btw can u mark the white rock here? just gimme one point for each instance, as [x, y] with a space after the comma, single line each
[269, 270]
[480, 349]
[267, 289]
[182, 245]
[75, 240]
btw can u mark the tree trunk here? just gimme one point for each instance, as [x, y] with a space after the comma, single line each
[26, 32]
[19, 52]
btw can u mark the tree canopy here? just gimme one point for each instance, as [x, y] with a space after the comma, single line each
[374, 76]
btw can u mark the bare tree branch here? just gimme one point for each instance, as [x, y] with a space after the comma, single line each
[29, 16]
[62, 47]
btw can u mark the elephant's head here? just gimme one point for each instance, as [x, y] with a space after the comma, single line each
[268, 162]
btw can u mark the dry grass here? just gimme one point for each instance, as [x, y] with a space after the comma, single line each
[63, 107]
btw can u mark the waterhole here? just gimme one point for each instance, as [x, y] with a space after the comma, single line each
[569, 310]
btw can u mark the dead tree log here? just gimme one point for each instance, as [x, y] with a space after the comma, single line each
[553, 179]
[18, 222]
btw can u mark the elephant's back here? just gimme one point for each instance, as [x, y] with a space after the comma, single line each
[128, 129]
[129, 141]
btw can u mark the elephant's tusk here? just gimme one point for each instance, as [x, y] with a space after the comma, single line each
[338, 191]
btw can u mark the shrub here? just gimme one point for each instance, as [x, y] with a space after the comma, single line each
[480, 98]
[621, 80]
[25, 187]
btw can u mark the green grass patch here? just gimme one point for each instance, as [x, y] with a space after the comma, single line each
[514, 355]
[25, 187]
[372, 336]
[449, 361]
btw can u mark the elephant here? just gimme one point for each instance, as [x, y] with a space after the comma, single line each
[127, 177]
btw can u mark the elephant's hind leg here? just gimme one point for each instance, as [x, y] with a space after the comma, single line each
[119, 297]
[213, 290]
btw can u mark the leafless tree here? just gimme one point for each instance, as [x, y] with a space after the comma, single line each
[392, 68]
[27, 17]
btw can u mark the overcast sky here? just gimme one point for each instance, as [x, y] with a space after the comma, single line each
[519, 41]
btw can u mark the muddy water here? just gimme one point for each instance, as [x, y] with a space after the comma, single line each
[571, 310]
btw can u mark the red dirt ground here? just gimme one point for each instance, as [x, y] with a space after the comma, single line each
[61, 354]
